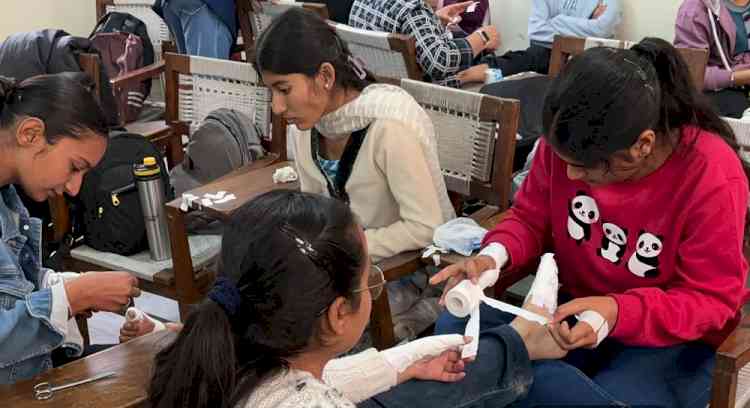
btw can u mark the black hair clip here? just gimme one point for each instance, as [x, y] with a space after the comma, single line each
[638, 70]
[304, 246]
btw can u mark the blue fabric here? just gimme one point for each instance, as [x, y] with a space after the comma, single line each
[227, 13]
[225, 294]
[500, 375]
[27, 336]
[612, 374]
[572, 18]
[739, 21]
[330, 167]
[197, 29]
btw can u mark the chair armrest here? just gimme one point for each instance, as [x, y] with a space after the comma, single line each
[735, 350]
[141, 74]
[400, 265]
[731, 357]
[491, 221]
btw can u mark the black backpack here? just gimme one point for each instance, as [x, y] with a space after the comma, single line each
[114, 22]
[108, 205]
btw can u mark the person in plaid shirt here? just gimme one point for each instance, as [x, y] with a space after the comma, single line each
[440, 55]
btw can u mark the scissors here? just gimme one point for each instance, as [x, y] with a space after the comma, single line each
[44, 390]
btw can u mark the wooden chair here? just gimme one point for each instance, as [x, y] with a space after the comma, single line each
[195, 87]
[390, 57]
[476, 137]
[563, 48]
[254, 16]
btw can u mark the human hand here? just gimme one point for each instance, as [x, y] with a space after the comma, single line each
[471, 268]
[106, 291]
[136, 328]
[582, 334]
[452, 14]
[493, 37]
[138, 323]
[600, 9]
[403, 357]
[446, 367]
[473, 74]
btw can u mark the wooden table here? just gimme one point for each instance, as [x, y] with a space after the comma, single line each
[132, 361]
[245, 183]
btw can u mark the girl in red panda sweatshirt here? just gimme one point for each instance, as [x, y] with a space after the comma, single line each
[638, 190]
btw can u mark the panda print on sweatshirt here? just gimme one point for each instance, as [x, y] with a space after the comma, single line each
[645, 260]
[614, 243]
[582, 213]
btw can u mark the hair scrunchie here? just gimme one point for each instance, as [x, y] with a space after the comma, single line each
[226, 295]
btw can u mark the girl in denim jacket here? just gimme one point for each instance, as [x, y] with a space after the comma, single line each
[52, 131]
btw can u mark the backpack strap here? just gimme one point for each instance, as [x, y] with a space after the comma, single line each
[337, 187]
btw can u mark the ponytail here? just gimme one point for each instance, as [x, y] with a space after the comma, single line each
[64, 102]
[681, 103]
[198, 369]
[299, 42]
[285, 256]
[605, 98]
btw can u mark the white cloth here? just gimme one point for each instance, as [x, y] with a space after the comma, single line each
[497, 252]
[134, 314]
[346, 381]
[543, 292]
[61, 309]
[402, 357]
[465, 298]
[362, 375]
[285, 175]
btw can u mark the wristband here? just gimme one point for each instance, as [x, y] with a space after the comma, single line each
[484, 36]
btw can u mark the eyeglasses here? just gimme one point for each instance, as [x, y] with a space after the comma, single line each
[375, 282]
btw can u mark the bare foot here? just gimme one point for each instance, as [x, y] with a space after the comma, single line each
[538, 340]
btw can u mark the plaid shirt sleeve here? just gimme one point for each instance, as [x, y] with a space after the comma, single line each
[440, 56]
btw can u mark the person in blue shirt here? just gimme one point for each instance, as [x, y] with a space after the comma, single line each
[573, 18]
[52, 131]
[205, 28]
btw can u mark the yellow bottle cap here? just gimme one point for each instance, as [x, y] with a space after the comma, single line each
[149, 161]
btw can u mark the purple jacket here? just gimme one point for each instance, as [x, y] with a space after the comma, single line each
[693, 30]
[470, 22]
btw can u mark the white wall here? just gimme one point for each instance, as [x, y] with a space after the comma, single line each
[641, 18]
[74, 16]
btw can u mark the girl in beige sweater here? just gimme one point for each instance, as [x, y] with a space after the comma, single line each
[369, 145]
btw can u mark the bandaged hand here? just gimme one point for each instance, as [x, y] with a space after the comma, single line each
[493, 256]
[436, 358]
[597, 315]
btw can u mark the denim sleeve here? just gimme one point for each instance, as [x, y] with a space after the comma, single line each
[500, 375]
[26, 330]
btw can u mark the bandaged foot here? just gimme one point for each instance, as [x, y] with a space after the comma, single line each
[543, 292]
[464, 299]
[137, 316]
[403, 357]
